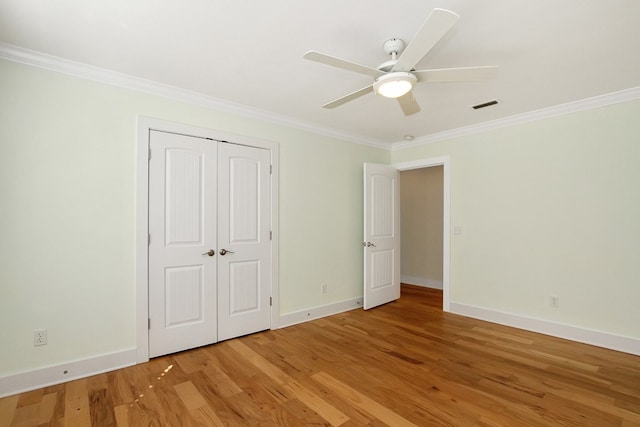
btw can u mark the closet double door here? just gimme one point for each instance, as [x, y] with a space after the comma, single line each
[209, 241]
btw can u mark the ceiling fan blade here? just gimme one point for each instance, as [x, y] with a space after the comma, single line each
[322, 58]
[408, 104]
[463, 74]
[350, 97]
[437, 24]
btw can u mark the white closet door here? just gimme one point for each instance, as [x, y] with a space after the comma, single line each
[244, 256]
[381, 235]
[182, 225]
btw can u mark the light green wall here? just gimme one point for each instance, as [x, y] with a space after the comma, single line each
[321, 221]
[67, 223]
[550, 207]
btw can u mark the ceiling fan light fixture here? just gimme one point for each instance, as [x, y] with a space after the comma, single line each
[394, 85]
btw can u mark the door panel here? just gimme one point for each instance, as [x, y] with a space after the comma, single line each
[244, 294]
[382, 268]
[244, 276]
[381, 235]
[382, 193]
[183, 295]
[182, 227]
[183, 196]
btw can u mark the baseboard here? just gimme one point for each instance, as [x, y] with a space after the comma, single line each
[420, 281]
[560, 330]
[318, 312]
[56, 374]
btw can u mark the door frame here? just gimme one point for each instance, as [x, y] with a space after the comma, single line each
[144, 126]
[443, 161]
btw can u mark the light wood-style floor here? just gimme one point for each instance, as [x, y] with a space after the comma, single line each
[405, 363]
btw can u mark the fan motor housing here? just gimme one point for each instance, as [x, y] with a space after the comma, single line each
[387, 65]
[392, 46]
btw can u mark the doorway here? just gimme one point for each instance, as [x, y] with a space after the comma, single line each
[444, 162]
[421, 226]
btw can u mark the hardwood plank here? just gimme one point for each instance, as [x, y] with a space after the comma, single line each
[122, 415]
[30, 398]
[47, 408]
[382, 413]
[7, 409]
[76, 408]
[259, 362]
[189, 395]
[101, 408]
[313, 401]
[223, 384]
[297, 414]
[25, 416]
[317, 404]
[206, 416]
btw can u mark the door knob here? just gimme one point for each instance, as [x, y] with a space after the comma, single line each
[369, 244]
[210, 253]
[224, 252]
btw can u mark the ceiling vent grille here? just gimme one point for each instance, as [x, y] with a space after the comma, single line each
[486, 104]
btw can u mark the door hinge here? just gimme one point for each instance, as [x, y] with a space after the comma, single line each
[270, 301]
[149, 239]
[149, 324]
[270, 169]
[270, 235]
[149, 154]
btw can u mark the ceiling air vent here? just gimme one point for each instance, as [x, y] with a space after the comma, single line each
[486, 104]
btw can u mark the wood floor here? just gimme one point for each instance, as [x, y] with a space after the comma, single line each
[402, 364]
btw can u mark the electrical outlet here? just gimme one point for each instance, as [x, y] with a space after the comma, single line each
[554, 301]
[323, 288]
[39, 337]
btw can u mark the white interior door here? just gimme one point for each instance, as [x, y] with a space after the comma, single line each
[244, 259]
[381, 235]
[182, 229]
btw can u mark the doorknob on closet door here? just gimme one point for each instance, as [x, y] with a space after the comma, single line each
[210, 253]
[224, 252]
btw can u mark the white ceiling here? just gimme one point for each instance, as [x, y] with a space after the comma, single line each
[550, 52]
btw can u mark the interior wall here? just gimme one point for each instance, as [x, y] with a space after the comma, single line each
[548, 208]
[421, 224]
[67, 182]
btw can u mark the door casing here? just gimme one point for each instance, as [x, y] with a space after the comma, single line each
[144, 126]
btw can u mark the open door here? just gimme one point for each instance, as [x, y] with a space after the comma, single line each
[381, 235]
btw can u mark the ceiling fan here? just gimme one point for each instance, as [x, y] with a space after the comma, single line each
[395, 78]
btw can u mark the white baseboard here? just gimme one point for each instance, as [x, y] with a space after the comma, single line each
[560, 330]
[420, 281]
[313, 313]
[43, 377]
[56, 374]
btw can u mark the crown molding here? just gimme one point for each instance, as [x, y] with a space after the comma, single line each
[531, 116]
[126, 81]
